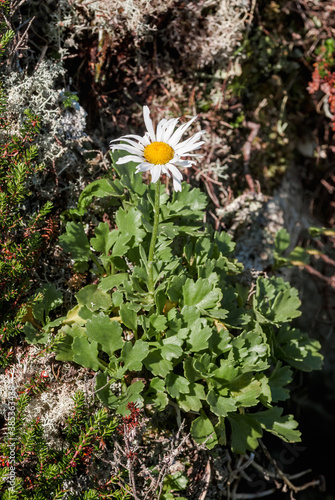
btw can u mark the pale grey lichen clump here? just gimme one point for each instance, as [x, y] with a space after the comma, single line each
[216, 31]
[38, 92]
[73, 123]
[253, 220]
[130, 16]
[202, 31]
[54, 405]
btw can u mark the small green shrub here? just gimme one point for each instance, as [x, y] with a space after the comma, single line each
[21, 224]
[44, 471]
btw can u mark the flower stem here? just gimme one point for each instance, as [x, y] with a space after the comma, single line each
[151, 285]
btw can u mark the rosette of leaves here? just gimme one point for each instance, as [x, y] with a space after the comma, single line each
[203, 342]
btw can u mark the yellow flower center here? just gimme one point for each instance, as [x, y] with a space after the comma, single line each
[158, 153]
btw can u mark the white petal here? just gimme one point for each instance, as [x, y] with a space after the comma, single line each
[170, 126]
[115, 140]
[185, 149]
[140, 147]
[143, 167]
[155, 173]
[146, 139]
[126, 159]
[174, 171]
[165, 171]
[176, 184]
[129, 149]
[132, 136]
[160, 129]
[189, 142]
[195, 155]
[148, 123]
[194, 138]
[183, 163]
[143, 140]
[179, 132]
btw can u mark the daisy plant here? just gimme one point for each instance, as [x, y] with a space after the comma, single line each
[168, 319]
[159, 152]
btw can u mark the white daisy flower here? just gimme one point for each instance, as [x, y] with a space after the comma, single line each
[160, 152]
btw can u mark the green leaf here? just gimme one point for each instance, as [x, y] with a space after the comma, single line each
[121, 245]
[93, 298]
[103, 390]
[285, 306]
[224, 243]
[170, 348]
[220, 405]
[317, 231]
[174, 482]
[130, 223]
[106, 332]
[188, 203]
[132, 395]
[190, 315]
[78, 314]
[156, 395]
[204, 365]
[266, 395]
[51, 298]
[86, 353]
[157, 384]
[174, 290]
[224, 374]
[298, 256]
[246, 431]
[282, 240]
[110, 282]
[219, 342]
[201, 294]
[200, 333]
[34, 336]
[202, 430]
[176, 385]
[117, 299]
[64, 347]
[99, 189]
[155, 363]
[249, 351]
[158, 322]
[128, 317]
[158, 399]
[275, 301]
[104, 238]
[128, 179]
[282, 426]
[202, 251]
[279, 378]
[133, 355]
[76, 242]
[220, 429]
[190, 372]
[298, 350]
[192, 400]
[245, 390]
